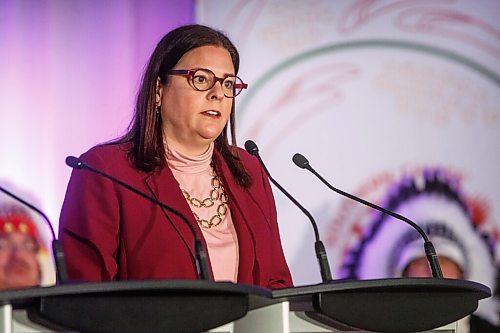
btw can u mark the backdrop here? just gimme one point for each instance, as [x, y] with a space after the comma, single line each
[369, 91]
[69, 71]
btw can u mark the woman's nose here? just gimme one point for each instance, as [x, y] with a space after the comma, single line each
[216, 92]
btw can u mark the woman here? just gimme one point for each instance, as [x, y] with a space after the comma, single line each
[176, 150]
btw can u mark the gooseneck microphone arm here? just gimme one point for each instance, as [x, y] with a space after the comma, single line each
[430, 252]
[319, 248]
[202, 266]
[57, 252]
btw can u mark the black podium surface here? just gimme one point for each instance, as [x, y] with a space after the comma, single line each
[387, 305]
[138, 306]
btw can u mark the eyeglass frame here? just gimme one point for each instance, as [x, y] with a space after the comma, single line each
[189, 74]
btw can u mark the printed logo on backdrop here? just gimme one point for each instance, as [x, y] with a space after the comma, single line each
[369, 92]
[366, 108]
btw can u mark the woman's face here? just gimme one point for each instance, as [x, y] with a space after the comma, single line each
[193, 119]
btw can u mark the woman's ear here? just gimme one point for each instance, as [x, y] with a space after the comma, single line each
[158, 92]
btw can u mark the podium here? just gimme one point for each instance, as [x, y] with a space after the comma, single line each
[137, 306]
[385, 305]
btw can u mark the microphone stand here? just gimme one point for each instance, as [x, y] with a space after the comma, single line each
[319, 248]
[430, 252]
[202, 266]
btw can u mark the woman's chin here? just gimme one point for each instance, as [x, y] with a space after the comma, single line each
[210, 134]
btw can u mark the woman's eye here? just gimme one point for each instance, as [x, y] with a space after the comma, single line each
[200, 79]
[228, 84]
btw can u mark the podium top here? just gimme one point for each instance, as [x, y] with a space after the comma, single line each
[386, 285]
[138, 306]
[384, 305]
[21, 298]
[387, 305]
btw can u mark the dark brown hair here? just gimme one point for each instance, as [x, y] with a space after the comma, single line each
[145, 130]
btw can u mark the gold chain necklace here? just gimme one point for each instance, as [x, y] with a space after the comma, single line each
[217, 193]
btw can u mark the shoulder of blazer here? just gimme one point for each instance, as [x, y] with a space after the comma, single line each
[113, 158]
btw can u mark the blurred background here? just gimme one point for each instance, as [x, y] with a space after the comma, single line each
[369, 91]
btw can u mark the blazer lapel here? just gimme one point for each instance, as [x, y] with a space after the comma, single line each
[165, 189]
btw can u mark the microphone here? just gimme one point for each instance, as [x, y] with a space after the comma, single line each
[57, 252]
[319, 248]
[202, 267]
[430, 252]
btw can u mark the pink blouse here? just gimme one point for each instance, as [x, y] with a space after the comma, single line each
[193, 173]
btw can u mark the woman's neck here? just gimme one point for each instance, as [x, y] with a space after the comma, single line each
[182, 162]
[189, 150]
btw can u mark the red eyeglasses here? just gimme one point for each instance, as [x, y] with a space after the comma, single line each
[204, 79]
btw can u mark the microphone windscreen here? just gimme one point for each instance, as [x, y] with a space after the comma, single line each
[74, 162]
[300, 161]
[251, 148]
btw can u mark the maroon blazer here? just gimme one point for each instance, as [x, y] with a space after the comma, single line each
[110, 233]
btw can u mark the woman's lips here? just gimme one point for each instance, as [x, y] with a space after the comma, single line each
[212, 114]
